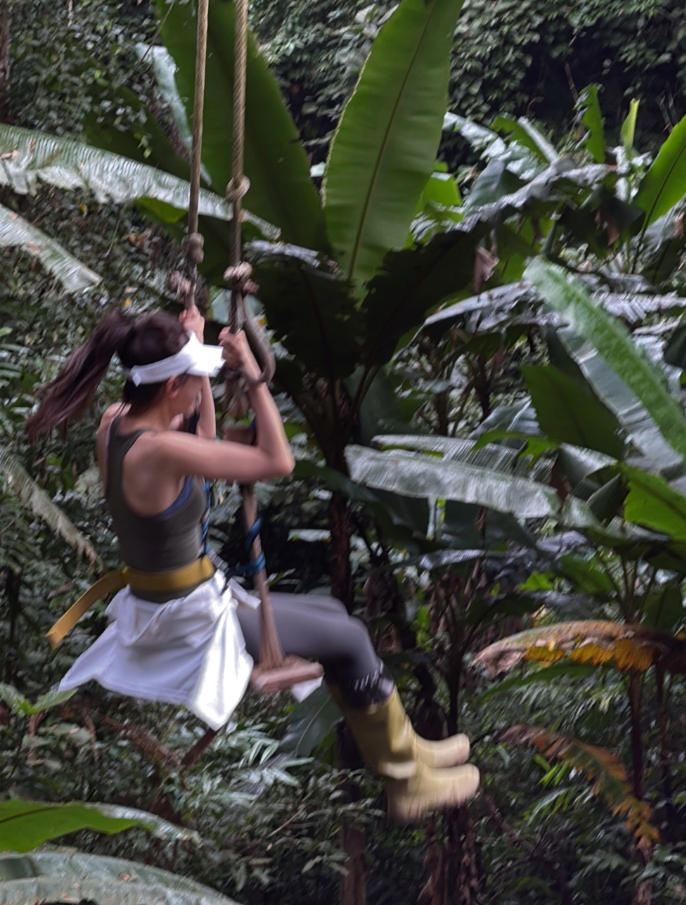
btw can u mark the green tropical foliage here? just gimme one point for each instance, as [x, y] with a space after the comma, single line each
[479, 327]
[74, 877]
[24, 825]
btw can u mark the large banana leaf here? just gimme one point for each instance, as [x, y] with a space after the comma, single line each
[72, 877]
[662, 246]
[490, 146]
[428, 477]
[633, 307]
[609, 776]
[588, 107]
[164, 68]
[281, 191]
[28, 158]
[522, 131]
[21, 485]
[630, 648]
[569, 415]
[309, 308]
[574, 352]
[24, 825]
[664, 185]
[612, 341]
[385, 146]
[651, 502]
[500, 459]
[561, 181]
[414, 281]
[17, 232]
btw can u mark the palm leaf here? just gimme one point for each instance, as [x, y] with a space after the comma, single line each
[17, 232]
[385, 146]
[21, 485]
[590, 642]
[608, 774]
[612, 341]
[72, 877]
[28, 158]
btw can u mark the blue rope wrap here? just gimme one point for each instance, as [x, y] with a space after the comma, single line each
[250, 568]
[205, 526]
[252, 534]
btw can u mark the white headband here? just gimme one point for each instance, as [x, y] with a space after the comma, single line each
[193, 358]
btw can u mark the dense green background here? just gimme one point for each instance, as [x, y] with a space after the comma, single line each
[271, 822]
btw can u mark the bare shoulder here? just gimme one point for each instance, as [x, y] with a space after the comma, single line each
[111, 412]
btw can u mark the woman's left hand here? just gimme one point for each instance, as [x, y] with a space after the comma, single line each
[193, 321]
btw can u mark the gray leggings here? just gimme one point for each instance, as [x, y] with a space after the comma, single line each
[316, 628]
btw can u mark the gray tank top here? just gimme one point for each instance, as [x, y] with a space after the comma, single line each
[158, 543]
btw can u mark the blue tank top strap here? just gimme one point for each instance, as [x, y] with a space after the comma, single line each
[179, 501]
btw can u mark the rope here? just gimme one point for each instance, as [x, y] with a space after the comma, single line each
[239, 272]
[238, 185]
[185, 286]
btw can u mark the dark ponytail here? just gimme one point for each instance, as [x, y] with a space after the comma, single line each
[137, 341]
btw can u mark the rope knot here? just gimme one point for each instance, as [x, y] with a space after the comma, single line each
[195, 244]
[239, 276]
[234, 192]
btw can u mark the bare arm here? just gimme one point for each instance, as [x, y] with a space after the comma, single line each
[194, 322]
[237, 433]
[180, 454]
[207, 422]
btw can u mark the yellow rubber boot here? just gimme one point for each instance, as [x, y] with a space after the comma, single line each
[448, 752]
[388, 744]
[430, 790]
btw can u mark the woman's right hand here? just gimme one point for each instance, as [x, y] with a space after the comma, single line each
[238, 354]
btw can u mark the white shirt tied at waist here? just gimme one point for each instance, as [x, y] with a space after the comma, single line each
[189, 651]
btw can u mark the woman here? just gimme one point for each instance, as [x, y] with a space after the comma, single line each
[176, 633]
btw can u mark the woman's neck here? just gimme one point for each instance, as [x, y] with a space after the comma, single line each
[156, 419]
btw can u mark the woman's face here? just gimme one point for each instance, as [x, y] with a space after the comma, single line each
[186, 392]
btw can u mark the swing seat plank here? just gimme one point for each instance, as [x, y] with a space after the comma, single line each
[291, 671]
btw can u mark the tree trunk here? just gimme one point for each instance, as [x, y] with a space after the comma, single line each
[5, 36]
[353, 889]
[644, 891]
[663, 724]
[341, 530]
[456, 875]
[636, 735]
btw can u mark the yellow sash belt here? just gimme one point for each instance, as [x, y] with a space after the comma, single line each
[158, 582]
